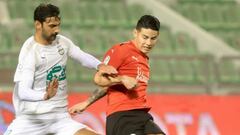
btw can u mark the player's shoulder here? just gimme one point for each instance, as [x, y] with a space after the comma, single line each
[120, 48]
[122, 45]
[63, 39]
[28, 44]
[125, 44]
[27, 48]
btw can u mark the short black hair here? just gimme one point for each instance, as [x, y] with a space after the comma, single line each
[148, 22]
[44, 11]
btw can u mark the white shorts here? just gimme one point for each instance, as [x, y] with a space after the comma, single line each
[63, 126]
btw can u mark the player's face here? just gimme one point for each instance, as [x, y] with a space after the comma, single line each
[50, 28]
[145, 39]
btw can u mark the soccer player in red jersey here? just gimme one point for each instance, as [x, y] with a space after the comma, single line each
[127, 109]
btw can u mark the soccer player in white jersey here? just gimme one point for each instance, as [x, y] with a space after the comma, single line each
[40, 93]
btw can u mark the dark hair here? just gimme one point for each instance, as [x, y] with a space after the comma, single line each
[148, 22]
[44, 11]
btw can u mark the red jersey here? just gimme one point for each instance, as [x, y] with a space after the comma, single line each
[128, 60]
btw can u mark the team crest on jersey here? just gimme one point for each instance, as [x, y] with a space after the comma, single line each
[60, 50]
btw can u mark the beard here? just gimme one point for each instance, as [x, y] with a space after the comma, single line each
[53, 37]
[50, 38]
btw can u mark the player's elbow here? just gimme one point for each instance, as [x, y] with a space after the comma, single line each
[26, 94]
[20, 91]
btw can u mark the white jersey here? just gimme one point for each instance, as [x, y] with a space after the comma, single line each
[37, 66]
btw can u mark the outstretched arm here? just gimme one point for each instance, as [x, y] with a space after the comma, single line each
[80, 107]
[103, 80]
[89, 61]
[106, 80]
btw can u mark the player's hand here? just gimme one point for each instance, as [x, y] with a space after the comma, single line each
[78, 108]
[107, 69]
[113, 79]
[129, 82]
[51, 89]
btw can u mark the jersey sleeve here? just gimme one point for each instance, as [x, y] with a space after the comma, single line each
[82, 57]
[25, 82]
[114, 57]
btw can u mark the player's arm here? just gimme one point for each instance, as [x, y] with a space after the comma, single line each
[25, 91]
[89, 61]
[80, 107]
[25, 83]
[105, 80]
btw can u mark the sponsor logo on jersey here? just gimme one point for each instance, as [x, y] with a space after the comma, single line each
[58, 72]
[135, 58]
[141, 76]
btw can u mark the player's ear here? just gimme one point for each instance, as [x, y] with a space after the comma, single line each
[134, 33]
[38, 25]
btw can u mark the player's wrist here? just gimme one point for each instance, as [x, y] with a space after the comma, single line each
[99, 66]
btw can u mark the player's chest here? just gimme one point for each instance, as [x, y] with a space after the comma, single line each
[136, 61]
[49, 56]
[138, 66]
